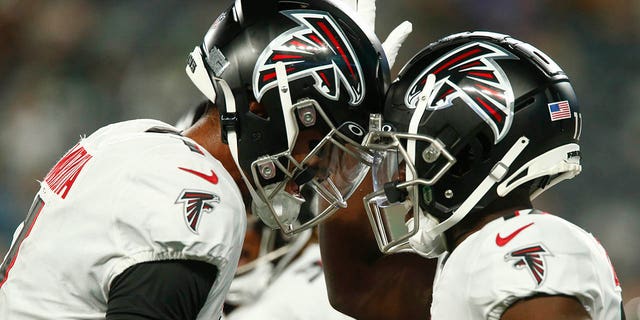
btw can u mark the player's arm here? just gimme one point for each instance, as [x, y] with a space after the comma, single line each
[174, 289]
[546, 307]
[365, 284]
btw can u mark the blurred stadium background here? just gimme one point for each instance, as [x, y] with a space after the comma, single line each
[69, 67]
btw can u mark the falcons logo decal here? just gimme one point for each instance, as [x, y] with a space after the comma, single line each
[195, 203]
[317, 48]
[531, 258]
[470, 73]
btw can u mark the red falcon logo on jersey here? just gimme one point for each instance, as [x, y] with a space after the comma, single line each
[531, 258]
[318, 48]
[195, 203]
[470, 73]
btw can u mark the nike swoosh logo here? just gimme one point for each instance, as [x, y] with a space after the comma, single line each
[213, 178]
[501, 242]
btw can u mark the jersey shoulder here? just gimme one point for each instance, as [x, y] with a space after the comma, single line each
[531, 239]
[155, 151]
[528, 254]
[548, 229]
[170, 198]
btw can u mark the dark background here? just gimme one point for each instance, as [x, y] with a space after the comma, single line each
[68, 67]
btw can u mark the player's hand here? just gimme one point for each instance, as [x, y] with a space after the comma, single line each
[366, 10]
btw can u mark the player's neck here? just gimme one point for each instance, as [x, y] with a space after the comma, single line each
[206, 132]
[478, 219]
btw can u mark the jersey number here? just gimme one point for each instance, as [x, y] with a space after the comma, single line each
[10, 259]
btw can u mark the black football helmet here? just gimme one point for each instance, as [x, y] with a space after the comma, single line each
[477, 115]
[295, 83]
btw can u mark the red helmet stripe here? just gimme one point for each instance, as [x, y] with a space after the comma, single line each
[324, 78]
[336, 44]
[456, 59]
[469, 65]
[492, 111]
[285, 57]
[317, 40]
[487, 75]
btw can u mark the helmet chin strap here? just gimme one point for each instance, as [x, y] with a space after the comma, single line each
[197, 72]
[496, 175]
[232, 136]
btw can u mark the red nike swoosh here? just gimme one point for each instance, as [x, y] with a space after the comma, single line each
[500, 241]
[213, 178]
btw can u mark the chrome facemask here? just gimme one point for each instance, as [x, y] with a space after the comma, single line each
[316, 186]
[394, 205]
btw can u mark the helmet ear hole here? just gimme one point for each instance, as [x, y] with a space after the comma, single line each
[258, 109]
[487, 144]
[523, 104]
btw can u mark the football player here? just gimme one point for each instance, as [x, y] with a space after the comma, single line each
[139, 221]
[134, 222]
[260, 291]
[484, 123]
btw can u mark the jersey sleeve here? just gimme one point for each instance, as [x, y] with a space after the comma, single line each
[161, 290]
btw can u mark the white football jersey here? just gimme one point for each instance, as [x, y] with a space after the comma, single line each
[517, 257]
[299, 293]
[120, 197]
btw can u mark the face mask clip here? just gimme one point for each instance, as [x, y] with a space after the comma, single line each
[307, 114]
[267, 169]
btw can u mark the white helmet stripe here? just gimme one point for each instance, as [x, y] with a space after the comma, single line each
[285, 102]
